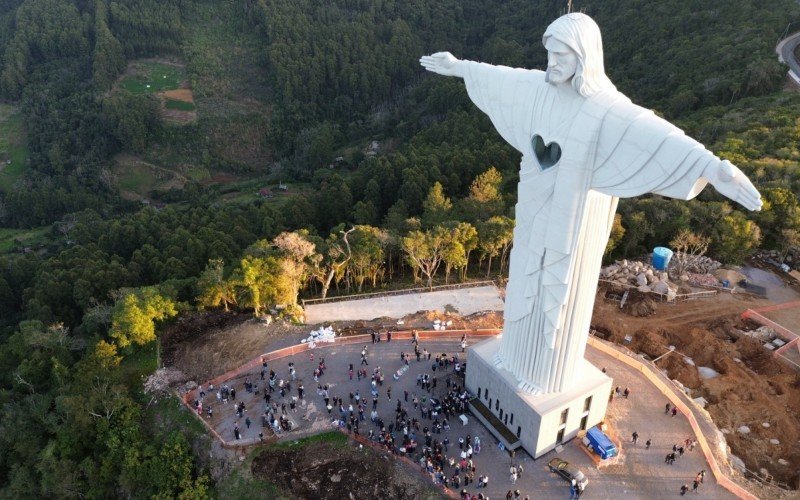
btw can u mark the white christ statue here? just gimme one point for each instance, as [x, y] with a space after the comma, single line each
[584, 145]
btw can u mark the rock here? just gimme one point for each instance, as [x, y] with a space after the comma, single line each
[623, 281]
[783, 462]
[765, 425]
[641, 279]
[610, 271]
[689, 361]
[649, 273]
[644, 289]
[623, 263]
[663, 276]
[774, 441]
[743, 430]
[684, 277]
[706, 372]
[660, 287]
[736, 462]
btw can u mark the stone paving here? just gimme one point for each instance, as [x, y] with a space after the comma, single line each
[639, 473]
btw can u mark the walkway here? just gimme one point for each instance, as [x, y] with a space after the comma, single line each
[465, 301]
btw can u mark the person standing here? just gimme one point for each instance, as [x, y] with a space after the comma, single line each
[647, 445]
[635, 437]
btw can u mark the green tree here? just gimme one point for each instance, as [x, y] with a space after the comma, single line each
[735, 238]
[136, 313]
[297, 253]
[495, 238]
[617, 233]
[485, 199]
[214, 289]
[461, 241]
[367, 255]
[425, 250]
[437, 207]
[257, 282]
[332, 260]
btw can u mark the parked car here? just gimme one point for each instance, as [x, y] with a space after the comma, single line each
[567, 472]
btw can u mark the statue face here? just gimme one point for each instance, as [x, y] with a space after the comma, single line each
[562, 62]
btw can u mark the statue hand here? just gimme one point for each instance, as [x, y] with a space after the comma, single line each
[442, 63]
[732, 183]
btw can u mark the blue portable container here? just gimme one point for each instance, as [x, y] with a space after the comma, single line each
[598, 442]
[661, 257]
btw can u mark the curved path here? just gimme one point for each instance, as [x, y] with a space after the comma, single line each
[785, 50]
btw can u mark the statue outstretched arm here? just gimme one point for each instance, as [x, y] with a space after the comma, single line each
[732, 183]
[443, 63]
[640, 153]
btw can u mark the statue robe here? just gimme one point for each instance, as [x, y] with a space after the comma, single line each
[610, 148]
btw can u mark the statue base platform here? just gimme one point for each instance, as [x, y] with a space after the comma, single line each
[540, 422]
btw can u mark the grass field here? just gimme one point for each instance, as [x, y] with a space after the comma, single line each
[12, 146]
[26, 237]
[179, 105]
[152, 77]
[136, 179]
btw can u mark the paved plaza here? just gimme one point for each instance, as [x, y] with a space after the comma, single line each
[639, 473]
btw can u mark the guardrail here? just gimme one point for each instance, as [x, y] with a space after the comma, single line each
[686, 297]
[404, 291]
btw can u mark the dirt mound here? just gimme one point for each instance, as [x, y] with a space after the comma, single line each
[332, 471]
[206, 344]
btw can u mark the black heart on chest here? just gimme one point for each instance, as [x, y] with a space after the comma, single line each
[547, 155]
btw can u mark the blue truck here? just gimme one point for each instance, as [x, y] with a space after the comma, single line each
[598, 442]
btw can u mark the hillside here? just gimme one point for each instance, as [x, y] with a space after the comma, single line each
[296, 149]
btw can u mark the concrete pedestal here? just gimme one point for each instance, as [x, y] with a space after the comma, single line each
[542, 421]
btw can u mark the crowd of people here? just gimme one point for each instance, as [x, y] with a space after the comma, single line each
[416, 422]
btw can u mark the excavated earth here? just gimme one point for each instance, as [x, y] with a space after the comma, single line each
[329, 471]
[752, 388]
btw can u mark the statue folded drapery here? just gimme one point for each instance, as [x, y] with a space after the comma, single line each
[583, 145]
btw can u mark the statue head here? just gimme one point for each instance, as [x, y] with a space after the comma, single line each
[581, 34]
